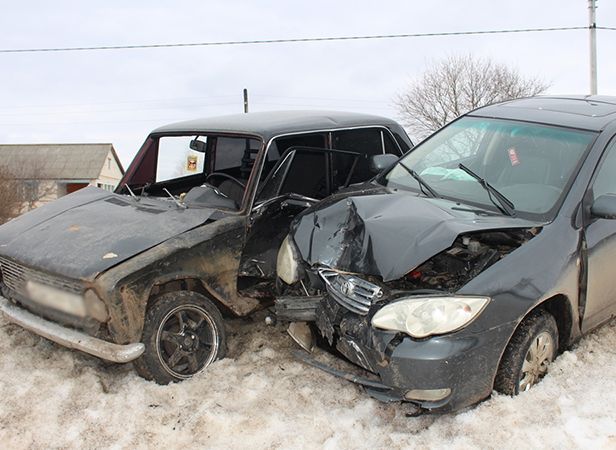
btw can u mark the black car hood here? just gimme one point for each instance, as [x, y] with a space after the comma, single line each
[91, 230]
[387, 235]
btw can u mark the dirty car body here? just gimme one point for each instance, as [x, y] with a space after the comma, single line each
[444, 298]
[190, 235]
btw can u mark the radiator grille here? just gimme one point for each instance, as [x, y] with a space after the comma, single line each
[351, 292]
[15, 277]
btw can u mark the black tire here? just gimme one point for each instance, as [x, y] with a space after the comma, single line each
[539, 330]
[183, 333]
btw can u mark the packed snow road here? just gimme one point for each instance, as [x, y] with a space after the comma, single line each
[260, 397]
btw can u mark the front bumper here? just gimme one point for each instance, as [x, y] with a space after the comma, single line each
[70, 338]
[462, 363]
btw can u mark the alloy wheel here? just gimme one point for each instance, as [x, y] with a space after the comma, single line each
[187, 341]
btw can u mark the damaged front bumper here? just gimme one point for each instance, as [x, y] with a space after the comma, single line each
[70, 338]
[441, 373]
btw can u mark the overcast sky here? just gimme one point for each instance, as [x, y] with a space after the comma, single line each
[119, 96]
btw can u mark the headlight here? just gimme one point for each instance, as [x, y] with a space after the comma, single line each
[287, 265]
[424, 316]
[57, 299]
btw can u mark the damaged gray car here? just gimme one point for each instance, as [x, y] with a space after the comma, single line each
[472, 261]
[147, 273]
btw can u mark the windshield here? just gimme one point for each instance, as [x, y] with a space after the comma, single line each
[216, 167]
[529, 164]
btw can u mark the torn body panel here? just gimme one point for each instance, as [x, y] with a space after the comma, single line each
[205, 259]
[364, 234]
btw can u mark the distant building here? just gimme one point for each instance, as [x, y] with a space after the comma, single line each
[48, 171]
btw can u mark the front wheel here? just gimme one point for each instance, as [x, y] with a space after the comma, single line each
[531, 350]
[183, 333]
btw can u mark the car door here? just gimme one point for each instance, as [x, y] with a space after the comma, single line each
[601, 247]
[302, 177]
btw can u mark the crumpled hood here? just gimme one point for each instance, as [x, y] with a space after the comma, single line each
[387, 235]
[91, 230]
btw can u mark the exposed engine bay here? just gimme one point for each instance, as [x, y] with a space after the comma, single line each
[470, 255]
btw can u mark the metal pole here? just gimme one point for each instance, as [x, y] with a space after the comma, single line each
[245, 100]
[592, 27]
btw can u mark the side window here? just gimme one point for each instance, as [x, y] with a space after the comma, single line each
[365, 141]
[302, 140]
[301, 172]
[276, 149]
[389, 145]
[605, 182]
[236, 156]
[307, 175]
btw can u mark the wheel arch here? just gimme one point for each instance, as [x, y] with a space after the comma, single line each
[185, 283]
[559, 306]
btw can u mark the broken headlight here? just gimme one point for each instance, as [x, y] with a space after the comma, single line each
[287, 266]
[421, 317]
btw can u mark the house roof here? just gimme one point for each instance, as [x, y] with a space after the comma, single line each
[56, 161]
[268, 124]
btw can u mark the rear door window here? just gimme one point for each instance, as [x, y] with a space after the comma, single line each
[366, 141]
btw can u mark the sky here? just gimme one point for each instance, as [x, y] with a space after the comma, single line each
[120, 96]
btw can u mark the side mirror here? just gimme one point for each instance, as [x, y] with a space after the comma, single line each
[604, 207]
[378, 163]
[197, 145]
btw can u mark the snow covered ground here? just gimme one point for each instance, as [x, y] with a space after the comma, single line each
[260, 397]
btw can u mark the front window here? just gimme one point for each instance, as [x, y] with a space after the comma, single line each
[530, 164]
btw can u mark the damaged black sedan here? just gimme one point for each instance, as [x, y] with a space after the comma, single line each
[472, 261]
[147, 273]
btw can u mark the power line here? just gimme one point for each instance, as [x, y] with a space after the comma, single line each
[162, 104]
[289, 40]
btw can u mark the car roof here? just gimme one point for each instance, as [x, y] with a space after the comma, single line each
[589, 112]
[273, 123]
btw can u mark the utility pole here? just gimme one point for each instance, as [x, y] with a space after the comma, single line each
[245, 100]
[592, 27]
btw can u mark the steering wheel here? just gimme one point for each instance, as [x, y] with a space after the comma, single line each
[226, 176]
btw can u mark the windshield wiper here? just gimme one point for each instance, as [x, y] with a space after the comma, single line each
[422, 183]
[177, 202]
[130, 191]
[504, 204]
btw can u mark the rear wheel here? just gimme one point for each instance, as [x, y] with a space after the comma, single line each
[531, 350]
[183, 333]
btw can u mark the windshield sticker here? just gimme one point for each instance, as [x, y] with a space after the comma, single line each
[513, 156]
[191, 163]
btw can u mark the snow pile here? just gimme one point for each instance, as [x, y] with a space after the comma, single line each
[260, 397]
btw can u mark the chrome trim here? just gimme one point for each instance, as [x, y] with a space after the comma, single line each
[353, 293]
[70, 338]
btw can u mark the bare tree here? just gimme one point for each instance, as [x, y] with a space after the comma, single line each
[456, 85]
[22, 189]
[11, 195]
